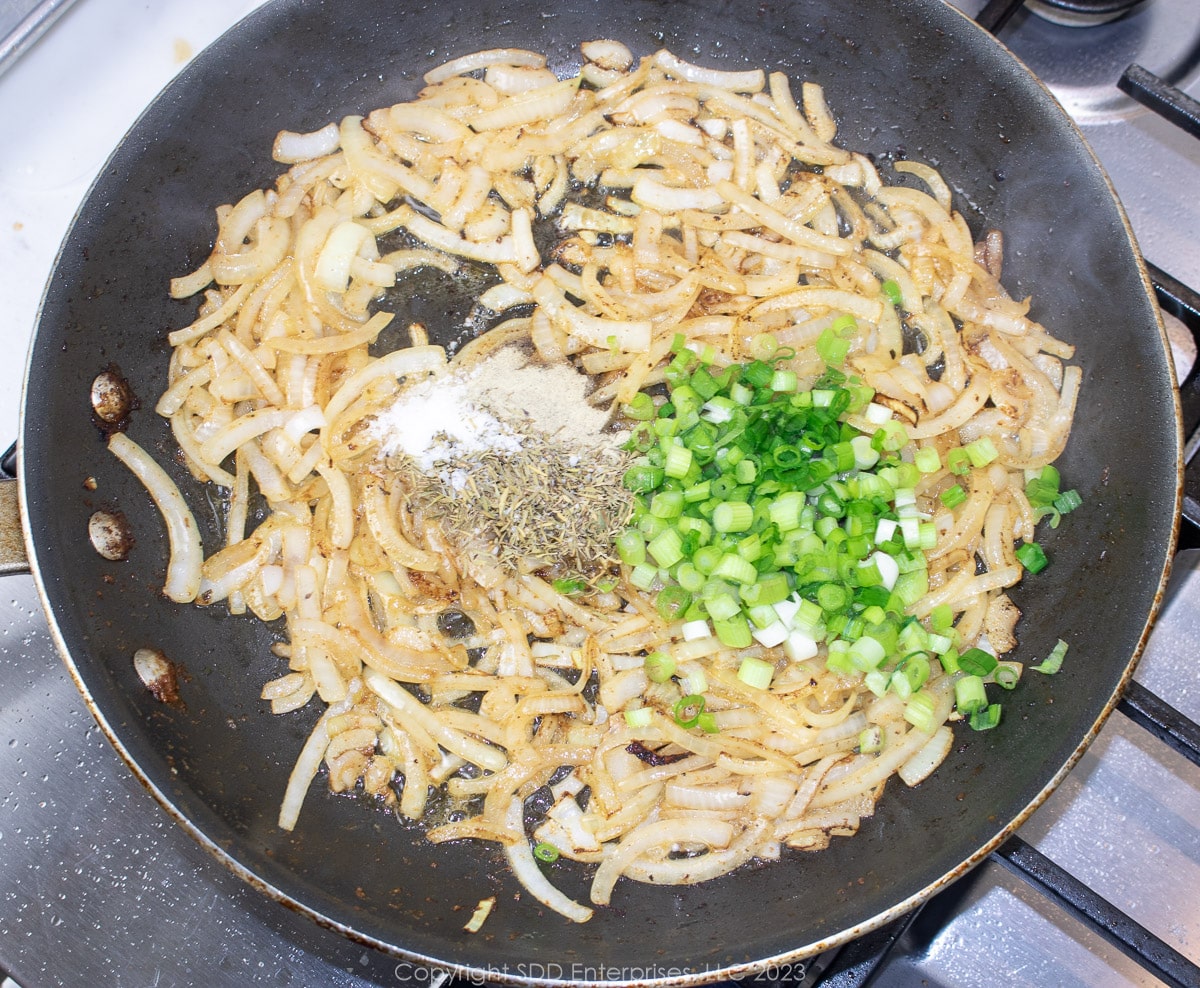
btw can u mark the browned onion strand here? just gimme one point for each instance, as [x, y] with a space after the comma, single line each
[717, 206]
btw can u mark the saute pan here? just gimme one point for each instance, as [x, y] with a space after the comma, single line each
[906, 78]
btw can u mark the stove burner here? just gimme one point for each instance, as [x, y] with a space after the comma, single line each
[1081, 13]
[1081, 67]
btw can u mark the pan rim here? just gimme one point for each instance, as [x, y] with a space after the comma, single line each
[732, 971]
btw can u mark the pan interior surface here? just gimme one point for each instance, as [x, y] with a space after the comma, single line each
[905, 79]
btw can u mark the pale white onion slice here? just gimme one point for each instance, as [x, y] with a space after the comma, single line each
[607, 54]
[410, 708]
[527, 872]
[750, 81]
[498, 251]
[186, 552]
[632, 336]
[430, 122]
[928, 757]
[241, 430]
[291, 147]
[706, 797]
[663, 835]
[333, 263]
[481, 60]
[539, 104]
[652, 194]
[309, 761]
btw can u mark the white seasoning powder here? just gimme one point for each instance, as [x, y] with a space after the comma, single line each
[490, 408]
[436, 420]
[509, 454]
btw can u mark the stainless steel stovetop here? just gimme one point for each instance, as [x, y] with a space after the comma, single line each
[97, 886]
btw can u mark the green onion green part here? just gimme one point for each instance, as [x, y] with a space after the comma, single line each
[545, 852]
[1053, 661]
[688, 710]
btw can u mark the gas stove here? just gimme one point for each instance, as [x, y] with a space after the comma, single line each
[98, 886]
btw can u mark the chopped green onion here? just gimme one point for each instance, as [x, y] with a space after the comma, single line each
[690, 578]
[1067, 501]
[969, 695]
[667, 504]
[878, 681]
[890, 437]
[1042, 490]
[832, 348]
[758, 373]
[651, 526]
[981, 452]
[771, 588]
[718, 411]
[761, 513]
[784, 380]
[672, 603]
[641, 408]
[707, 722]
[949, 661]
[1006, 675]
[756, 672]
[720, 601]
[763, 346]
[871, 740]
[891, 288]
[733, 516]
[545, 852]
[705, 384]
[784, 510]
[1054, 660]
[1032, 556]
[643, 478]
[987, 718]
[733, 632]
[734, 567]
[911, 674]
[643, 576]
[569, 586]
[977, 662]
[867, 653]
[953, 496]
[942, 617]
[639, 717]
[659, 667]
[926, 460]
[763, 615]
[740, 394]
[706, 558]
[688, 709]
[667, 548]
[919, 711]
[958, 461]
[1047, 502]
[940, 644]
[678, 462]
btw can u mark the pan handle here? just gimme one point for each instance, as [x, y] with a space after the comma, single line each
[13, 558]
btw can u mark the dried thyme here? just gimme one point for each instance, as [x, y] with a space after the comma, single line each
[548, 504]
